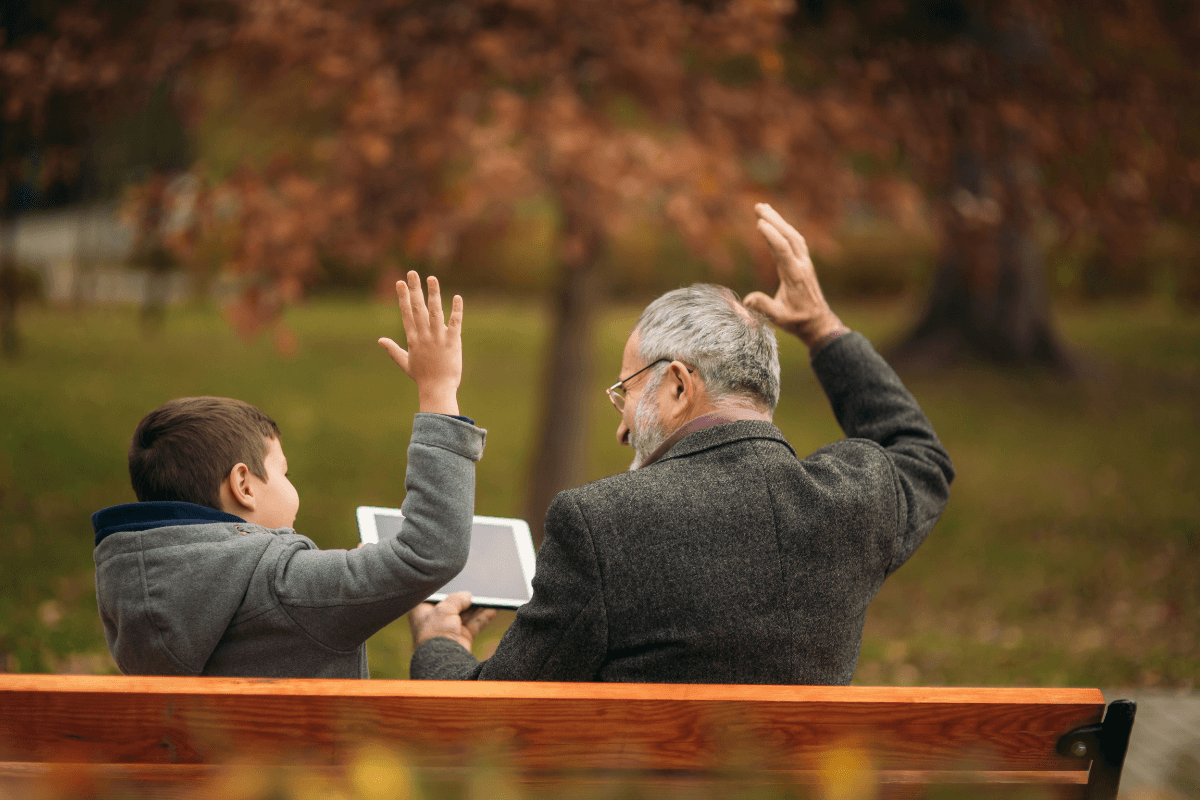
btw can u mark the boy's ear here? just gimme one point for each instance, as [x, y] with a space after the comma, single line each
[238, 488]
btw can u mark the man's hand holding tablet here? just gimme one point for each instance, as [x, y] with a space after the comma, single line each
[454, 618]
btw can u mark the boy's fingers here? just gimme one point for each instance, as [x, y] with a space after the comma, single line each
[456, 312]
[416, 301]
[405, 306]
[435, 302]
[398, 353]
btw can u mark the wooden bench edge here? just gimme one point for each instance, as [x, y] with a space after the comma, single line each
[122, 684]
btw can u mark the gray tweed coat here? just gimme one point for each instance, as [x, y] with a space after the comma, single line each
[730, 560]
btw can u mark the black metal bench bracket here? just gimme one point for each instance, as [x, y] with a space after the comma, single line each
[1105, 745]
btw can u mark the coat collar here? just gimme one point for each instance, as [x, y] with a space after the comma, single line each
[718, 433]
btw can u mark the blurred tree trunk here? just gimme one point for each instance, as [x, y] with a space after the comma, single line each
[10, 295]
[152, 255]
[989, 297]
[10, 284]
[561, 443]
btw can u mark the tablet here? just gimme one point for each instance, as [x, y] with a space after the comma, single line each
[499, 570]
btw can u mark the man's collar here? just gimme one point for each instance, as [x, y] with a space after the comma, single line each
[712, 418]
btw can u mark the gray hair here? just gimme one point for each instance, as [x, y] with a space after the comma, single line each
[732, 348]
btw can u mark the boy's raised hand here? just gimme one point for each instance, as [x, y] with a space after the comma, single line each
[434, 356]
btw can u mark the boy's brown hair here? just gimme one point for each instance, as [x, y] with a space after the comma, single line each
[185, 448]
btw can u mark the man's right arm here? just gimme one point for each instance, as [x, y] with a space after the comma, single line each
[870, 402]
[867, 396]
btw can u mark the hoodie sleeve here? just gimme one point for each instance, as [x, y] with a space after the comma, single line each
[342, 597]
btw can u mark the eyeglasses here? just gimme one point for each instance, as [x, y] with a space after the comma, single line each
[616, 392]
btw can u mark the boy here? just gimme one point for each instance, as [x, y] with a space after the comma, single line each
[205, 576]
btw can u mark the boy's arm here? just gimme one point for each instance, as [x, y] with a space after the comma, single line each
[340, 598]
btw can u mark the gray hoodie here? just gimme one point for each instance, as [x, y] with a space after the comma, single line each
[187, 590]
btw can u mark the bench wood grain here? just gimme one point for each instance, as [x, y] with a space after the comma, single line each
[146, 730]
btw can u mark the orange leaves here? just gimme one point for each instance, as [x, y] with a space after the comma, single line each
[335, 66]
[903, 200]
[493, 48]
[17, 64]
[280, 227]
[380, 103]
[376, 149]
[1020, 118]
[770, 62]
[298, 188]
[747, 26]
[447, 117]
[843, 118]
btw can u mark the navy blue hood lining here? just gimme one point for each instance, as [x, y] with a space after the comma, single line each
[154, 514]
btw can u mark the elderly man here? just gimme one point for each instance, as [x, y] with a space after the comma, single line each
[720, 557]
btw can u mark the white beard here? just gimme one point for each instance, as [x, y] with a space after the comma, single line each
[647, 432]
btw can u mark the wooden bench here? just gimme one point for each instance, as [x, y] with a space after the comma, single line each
[165, 734]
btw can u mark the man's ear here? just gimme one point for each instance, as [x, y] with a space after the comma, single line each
[680, 382]
[239, 488]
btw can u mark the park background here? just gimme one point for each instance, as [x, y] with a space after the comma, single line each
[215, 197]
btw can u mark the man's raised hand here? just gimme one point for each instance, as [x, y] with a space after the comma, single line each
[434, 356]
[798, 306]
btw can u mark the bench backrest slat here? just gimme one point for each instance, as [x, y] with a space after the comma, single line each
[544, 726]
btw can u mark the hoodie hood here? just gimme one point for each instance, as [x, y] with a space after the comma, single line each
[154, 514]
[169, 578]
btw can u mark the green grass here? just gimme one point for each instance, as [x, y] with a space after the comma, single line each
[1068, 554]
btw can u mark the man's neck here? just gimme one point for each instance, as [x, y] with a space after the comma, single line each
[717, 415]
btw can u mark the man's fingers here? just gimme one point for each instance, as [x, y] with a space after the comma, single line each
[420, 613]
[764, 304]
[436, 316]
[456, 603]
[795, 241]
[398, 353]
[477, 620]
[456, 312]
[759, 302]
[785, 261]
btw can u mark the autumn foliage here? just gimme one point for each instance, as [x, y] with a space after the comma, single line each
[434, 118]
[389, 132]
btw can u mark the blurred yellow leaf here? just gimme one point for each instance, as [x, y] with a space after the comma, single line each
[379, 773]
[846, 773]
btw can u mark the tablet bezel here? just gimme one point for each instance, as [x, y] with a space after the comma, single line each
[369, 534]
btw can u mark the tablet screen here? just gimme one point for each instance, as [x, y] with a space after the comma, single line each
[499, 568]
[494, 567]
